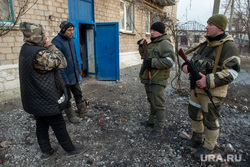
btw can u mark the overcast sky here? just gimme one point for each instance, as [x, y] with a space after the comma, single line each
[195, 10]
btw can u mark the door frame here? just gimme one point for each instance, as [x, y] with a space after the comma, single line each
[76, 35]
[76, 39]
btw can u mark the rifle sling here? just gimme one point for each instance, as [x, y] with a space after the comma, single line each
[217, 58]
[195, 48]
[155, 74]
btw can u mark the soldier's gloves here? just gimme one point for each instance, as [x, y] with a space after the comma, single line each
[138, 42]
[148, 62]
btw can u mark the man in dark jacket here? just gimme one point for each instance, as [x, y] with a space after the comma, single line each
[42, 90]
[160, 61]
[64, 42]
[218, 62]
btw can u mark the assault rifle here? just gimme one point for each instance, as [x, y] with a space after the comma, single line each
[146, 57]
[197, 75]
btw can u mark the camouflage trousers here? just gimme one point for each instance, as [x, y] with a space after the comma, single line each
[157, 109]
[203, 113]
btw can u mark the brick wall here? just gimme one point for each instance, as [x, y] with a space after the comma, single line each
[109, 11]
[49, 13]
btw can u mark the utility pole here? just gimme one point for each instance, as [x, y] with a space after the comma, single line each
[231, 16]
[216, 7]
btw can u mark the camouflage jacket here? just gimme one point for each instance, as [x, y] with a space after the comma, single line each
[228, 66]
[163, 57]
[48, 59]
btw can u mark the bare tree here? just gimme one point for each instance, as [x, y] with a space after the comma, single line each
[242, 16]
[176, 81]
[8, 20]
[240, 22]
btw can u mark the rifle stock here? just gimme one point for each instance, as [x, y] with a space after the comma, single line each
[144, 68]
[197, 75]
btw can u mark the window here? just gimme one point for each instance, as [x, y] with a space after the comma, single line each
[184, 40]
[148, 22]
[196, 39]
[6, 11]
[126, 16]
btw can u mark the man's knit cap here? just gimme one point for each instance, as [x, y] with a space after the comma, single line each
[158, 26]
[65, 25]
[219, 20]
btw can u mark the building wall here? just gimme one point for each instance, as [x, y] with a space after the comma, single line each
[109, 11]
[50, 13]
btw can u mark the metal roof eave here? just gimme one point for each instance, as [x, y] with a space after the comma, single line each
[164, 2]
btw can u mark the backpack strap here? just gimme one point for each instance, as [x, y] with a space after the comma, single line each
[217, 58]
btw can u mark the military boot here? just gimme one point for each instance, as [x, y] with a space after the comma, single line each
[71, 115]
[154, 134]
[147, 124]
[201, 152]
[195, 141]
[82, 109]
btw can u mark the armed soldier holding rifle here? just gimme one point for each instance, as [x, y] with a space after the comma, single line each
[218, 64]
[158, 58]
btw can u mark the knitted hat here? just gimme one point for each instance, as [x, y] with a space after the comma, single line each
[158, 26]
[65, 25]
[219, 20]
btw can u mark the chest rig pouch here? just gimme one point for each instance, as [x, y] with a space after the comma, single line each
[204, 64]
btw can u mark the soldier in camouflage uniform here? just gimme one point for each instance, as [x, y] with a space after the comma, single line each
[216, 78]
[161, 59]
[43, 92]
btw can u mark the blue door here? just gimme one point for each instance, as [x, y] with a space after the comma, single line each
[81, 10]
[107, 51]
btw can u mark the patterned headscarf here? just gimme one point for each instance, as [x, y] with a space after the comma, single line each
[33, 33]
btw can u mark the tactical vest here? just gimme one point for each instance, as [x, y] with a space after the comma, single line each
[39, 92]
[162, 74]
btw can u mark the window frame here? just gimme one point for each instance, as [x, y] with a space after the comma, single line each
[148, 22]
[9, 23]
[123, 27]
